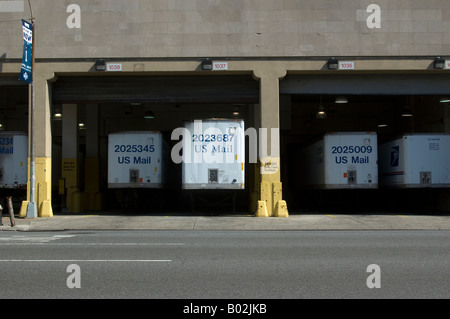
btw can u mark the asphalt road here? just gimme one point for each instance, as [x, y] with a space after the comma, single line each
[225, 264]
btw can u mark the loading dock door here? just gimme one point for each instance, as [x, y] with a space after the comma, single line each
[366, 84]
[157, 89]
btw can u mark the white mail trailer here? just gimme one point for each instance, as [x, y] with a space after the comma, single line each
[343, 160]
[416, 161]
[214, 154]
[136, 160]
[13, 160]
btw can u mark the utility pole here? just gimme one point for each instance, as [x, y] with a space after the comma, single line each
[31, 208]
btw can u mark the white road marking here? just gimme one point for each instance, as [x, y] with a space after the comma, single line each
[85, 260]
[32, 239]
[88, 244]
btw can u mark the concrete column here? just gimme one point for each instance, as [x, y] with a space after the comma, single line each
[92, 163]
[42, 146]
[253, 166]
[70, 167]
[270, 202]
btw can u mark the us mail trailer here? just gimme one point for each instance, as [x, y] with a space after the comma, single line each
[137, 160]
[13, 160]
[416, 161]
[342, 160]
[214, 154]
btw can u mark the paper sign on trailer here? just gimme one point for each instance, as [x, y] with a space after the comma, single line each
[343, 160]
[136, 160]
[416, 161]
[13, 160]
[214, 156]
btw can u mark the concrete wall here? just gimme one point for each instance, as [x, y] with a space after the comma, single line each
[229, 28]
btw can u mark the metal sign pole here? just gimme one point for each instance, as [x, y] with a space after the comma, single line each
[31, 208]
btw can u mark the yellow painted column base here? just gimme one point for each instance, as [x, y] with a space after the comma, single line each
[281, 209]
[98, 203]
[78, 202]
[261, 210]
[271, 203]
[43, 172]
[44, 210]
[23, 209]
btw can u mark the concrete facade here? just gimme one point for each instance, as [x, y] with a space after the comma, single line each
[229, 28]
[264, 38]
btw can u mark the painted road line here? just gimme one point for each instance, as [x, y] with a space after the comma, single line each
[91, 244]
[85, 260]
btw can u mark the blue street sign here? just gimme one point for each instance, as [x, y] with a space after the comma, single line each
[26, 74]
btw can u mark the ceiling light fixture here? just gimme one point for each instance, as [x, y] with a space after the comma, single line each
[149, 115]
[407, 112]
[321, 114]
[341, 100]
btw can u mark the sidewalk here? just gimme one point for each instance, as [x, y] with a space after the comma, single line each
[296, 221]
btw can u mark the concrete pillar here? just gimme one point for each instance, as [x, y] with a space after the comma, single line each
[70, 165]
[253, 167]
[271, 201]
[42, 146]
[92, 163]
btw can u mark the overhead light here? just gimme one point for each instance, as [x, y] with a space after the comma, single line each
[81, 126]
[57, 115]
[321, 114]
[100, 65]
[149, 115]
[333, 64]
[207, 65]
[2, 127]
[444, 100]
[382, 124]
[341, 100]
[407, 112]
[236, 113]
[439, 63]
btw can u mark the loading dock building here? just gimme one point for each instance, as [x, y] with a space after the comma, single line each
[103, 64]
